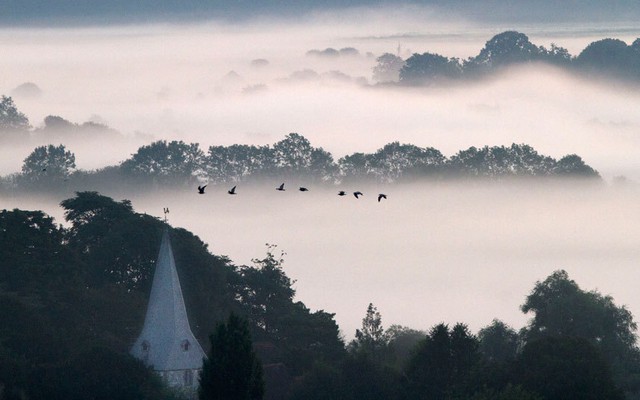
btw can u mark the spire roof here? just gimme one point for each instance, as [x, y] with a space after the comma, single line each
[166, 342]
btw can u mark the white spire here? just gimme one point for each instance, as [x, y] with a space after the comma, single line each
[166, 342]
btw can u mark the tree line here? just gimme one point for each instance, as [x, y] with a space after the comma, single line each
[606, 57]
[72, 301]
[178, 163]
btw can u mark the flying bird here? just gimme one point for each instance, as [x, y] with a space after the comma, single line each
[201, 189]
[281, 187]
[342, 193]
[357, 194]
[232, 191]
[303, 189]
[381, 196]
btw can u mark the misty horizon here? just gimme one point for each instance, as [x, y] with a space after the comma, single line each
[201, 83]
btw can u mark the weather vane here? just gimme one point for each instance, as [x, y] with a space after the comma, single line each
[166, 211]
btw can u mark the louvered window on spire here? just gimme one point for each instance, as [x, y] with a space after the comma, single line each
[185, 345]
[145, 346]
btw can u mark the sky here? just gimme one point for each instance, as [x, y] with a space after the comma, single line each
[465, 252]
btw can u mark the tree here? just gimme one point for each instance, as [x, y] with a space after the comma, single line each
[174, 162]
[396, 161]
[441, 366]
[387, 68]
[573, 165]
[498, 342]
[402, 341]
[237, 163]
[266, 292]
[371, 339]
[10, 118]
[49, 164]
[32, 251]
[232, 370]
[565, 368]
[294, 156]
[56, 123]
[295, 336]
[504, 49]
[611, 56]
[428, 67]
[560, 308]
[556, 55]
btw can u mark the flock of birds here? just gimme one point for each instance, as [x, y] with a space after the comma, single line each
[281, 188]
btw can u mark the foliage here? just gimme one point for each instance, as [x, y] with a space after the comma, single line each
[516, 160]
[612, 57]
[174, 162]
[294, 156]
[562, 309]
[10, 118]
[32, 251]
[498, 342]
[50, 164]
[504, 49]
[565, 368]
[442, 364]
[428, 67]
[236, 163]
[387, 68]
[402, 342]
[394, 162]
[371, 340]
[300, 337]
[573, 165]
[232, 370]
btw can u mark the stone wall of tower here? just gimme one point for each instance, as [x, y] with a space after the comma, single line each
[184, 381]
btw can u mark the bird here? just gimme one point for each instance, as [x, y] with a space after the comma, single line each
[281, 187]
[342, 193]
[357, 194]
[44, 169]
[303, 189]
[201, 189]
[232, 191]
[381, 196]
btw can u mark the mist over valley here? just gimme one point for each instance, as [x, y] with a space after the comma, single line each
[500, 174]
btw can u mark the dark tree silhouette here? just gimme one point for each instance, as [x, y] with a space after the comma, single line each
[441, 365]
[232, 370]
[612, 57]
[428, 67]
[504, 49]
[174, 162]
[10, 118]
[498, 342]
[567, 368]
[49, 164]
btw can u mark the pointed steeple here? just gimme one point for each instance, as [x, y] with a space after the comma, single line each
[166, 342]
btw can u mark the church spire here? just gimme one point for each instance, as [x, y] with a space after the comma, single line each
[166, 342]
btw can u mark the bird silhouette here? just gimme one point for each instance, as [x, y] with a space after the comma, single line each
[357, 194]
[232, 191]
[201, 189]
[303, 189]
[342, 193]
[381, 196]
[281, 187]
